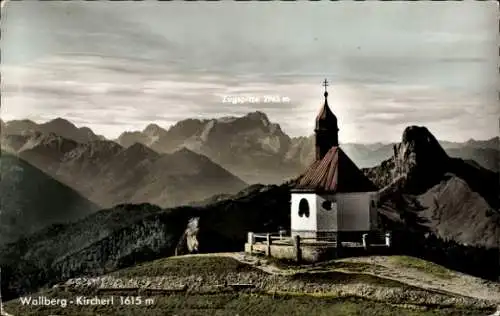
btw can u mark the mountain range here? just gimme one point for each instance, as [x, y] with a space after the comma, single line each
[246, 146]
[250, 147]
[57, 126]
[252, 142]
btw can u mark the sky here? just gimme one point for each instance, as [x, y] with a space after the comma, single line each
[119, 66]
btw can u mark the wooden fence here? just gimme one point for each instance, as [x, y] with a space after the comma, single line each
[332, 241]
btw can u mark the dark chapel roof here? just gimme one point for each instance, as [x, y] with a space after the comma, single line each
[335, 172]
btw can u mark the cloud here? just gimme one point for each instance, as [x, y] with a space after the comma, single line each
[121, 67]
[118, 68]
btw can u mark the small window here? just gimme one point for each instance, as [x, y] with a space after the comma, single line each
[327, 205]
[303, 208]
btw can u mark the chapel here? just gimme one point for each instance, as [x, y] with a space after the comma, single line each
[332, 197]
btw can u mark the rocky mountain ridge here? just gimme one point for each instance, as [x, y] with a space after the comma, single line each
[108, 174]
[58, 126]
[255, 133]
[447, 196]
[246, 145]
[250, 146]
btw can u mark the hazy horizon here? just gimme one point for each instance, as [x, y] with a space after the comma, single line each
[120, 66]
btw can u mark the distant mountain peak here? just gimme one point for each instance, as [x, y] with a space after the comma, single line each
[419, 140]
[67, 129]
[26, 121]
[187, 123]
[87, 130]
[19, 127]
[153, 129]
[60, 121]
[418, 162]
[258, 116]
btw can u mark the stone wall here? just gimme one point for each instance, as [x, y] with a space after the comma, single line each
[309, 253]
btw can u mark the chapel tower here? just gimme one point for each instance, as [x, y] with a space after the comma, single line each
[327, 131]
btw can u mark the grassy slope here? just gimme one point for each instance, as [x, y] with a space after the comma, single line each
[422, 265]
[185, 266]
[236, 303]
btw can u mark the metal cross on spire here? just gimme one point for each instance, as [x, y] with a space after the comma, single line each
[325, 84]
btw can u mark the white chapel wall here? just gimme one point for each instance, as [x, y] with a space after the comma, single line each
[354, 211]
[305, 224]
[374, 211]
[327, 219]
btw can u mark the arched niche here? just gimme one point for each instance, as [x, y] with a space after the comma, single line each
[304, 208]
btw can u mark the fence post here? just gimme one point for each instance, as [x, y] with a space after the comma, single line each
[250, 242]
[338, 244]
[388, 241]
[298, 251]
[365, 242]
[268, 243]
[251, 238]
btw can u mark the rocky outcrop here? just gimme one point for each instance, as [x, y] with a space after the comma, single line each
[427, 190]
[419, 158]
[418, 162]
[189, 241]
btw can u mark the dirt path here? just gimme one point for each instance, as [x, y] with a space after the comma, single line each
[257, 262]
[457, 283]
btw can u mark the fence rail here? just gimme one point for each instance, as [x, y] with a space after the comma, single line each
[265, 242]
[280, 238]
[277, 236]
